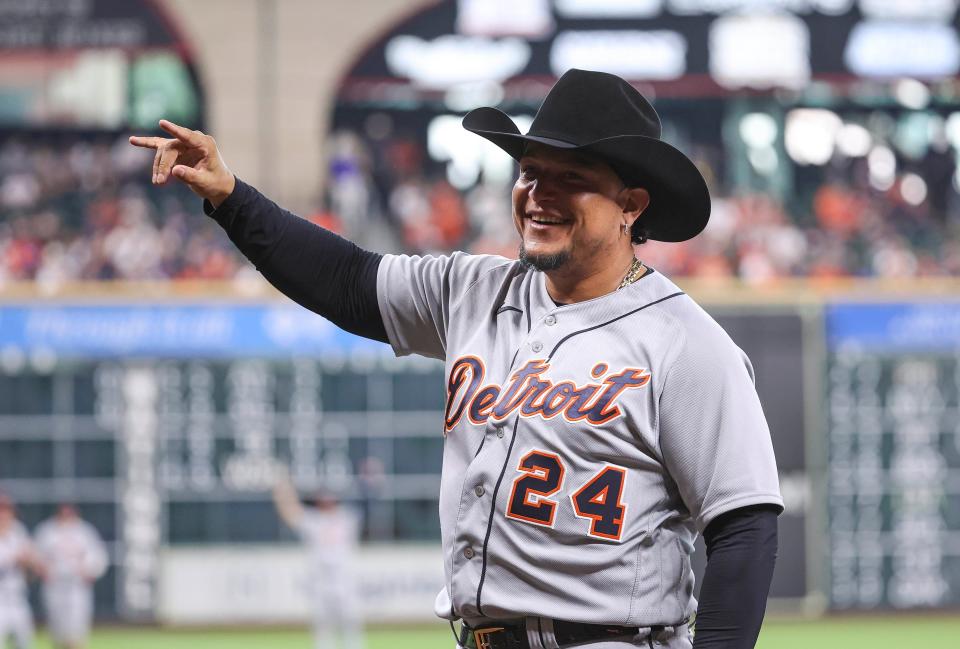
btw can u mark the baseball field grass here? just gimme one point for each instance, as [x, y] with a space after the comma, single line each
[893, 632]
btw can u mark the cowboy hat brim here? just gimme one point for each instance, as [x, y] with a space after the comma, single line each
[679, 199]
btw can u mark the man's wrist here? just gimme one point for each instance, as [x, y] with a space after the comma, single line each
[218, 198]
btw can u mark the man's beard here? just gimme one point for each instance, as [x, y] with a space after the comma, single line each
[543, 262]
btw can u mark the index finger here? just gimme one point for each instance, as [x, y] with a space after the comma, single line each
[146, 142]
[181, 133]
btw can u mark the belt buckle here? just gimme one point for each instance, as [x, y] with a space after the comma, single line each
[480, 637]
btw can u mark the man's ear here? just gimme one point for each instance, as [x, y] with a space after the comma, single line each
[634, 200]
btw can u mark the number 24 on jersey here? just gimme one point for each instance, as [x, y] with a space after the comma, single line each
[598, 500]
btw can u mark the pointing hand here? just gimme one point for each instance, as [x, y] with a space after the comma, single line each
[191, 157]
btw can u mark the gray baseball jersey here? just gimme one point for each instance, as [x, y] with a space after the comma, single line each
[74, 554]
[16, 620]
[586, 444]
[13, 583]
[331, 538]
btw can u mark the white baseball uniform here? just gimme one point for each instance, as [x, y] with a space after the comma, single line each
[16, 620]
[586, 444]
[75, 556]
[331, 538]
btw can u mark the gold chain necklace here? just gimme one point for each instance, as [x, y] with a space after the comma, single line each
[636, 272]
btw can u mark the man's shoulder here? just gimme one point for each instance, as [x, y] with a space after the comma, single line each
[455, 274]
[488, 267]
[311, 516]
[458, 262]
[89, 530]
[693, 328]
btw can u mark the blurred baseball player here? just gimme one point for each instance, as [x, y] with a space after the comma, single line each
[330, 532]
[74, 557]
[596, 418]
[16, 558]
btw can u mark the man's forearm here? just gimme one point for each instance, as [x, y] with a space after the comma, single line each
[741, 553]
[316, 268]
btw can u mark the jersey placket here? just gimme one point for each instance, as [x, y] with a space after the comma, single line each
[480, 503]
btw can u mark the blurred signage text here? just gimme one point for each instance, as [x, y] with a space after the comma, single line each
[69, 24]
[172, 331]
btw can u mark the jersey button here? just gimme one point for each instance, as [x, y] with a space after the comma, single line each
[478, 490]
[500, 432]
[550, 320]
[468, 553]
[537, 346]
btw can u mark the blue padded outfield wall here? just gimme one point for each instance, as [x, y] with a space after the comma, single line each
[187, 330]
[174, 331]
[894, 327]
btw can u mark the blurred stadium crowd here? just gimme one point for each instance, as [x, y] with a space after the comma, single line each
[80, 209]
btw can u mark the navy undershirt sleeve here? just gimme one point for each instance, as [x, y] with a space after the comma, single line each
[741, 553]
[313, 266]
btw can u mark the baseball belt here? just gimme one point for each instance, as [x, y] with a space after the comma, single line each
[513, 636]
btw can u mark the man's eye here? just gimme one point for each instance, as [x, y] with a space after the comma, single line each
[572, 176]
[528, 172]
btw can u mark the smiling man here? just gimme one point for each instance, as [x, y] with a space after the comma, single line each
[596, 418]
[571, 211]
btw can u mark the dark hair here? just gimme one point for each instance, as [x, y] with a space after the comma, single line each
[638, 234]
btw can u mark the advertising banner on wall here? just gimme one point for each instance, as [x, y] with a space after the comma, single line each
[271, 585]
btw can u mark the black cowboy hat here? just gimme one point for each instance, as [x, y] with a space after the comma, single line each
[601, 114]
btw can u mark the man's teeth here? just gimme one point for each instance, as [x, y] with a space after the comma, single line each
[544, 219]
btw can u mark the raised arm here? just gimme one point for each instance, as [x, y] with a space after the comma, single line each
[287, 502]
[316, 268]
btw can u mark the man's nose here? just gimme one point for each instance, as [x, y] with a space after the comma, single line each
[542, 188]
